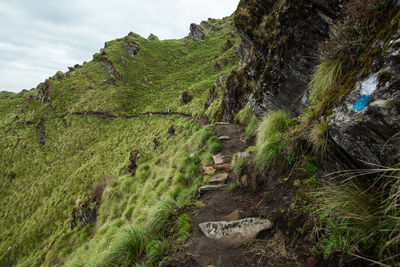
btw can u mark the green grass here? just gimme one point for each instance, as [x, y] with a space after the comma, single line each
[247, 119]
[271, 138]
[137, 218]
[362, 218]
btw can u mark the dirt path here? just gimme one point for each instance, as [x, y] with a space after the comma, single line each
[272, 248]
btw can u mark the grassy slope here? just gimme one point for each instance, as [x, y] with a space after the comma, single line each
[40, 184]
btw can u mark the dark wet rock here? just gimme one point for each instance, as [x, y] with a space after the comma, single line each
[187, 96]
[196, 32]
[84, 213]
[368, 132]
[44, 92]
[277, 53]
[134, 157]
[130, 44]
[171, 132]
[41, 130]
[152, 37]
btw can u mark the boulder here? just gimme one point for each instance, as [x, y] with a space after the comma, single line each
[152, 37]
[196, 32]
[134, 157]
[171, 132]
[235, 232]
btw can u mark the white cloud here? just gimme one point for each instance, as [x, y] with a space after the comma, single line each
[38, 38]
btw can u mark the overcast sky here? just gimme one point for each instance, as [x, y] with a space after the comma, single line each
[40, 37]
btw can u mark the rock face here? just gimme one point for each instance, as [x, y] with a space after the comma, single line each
[235, 232]
[130, 45]
[367, 123]
[277, 53]
[44, 92]
[187, 97]
[196, 32]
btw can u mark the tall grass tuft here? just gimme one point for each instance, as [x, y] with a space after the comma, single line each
[362, 217]
[271, 138]
[127, 248]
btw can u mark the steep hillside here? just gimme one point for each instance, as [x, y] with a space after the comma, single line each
[134, 158]
[87, 131]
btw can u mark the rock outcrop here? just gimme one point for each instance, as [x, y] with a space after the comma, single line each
[44, 92]
[130, 44]
[366, 124]
[277, 54]
[134, 157]
[196, 32]
[152, 37]
[110, 68]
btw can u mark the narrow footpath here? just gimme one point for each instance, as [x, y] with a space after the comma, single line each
[233, 207]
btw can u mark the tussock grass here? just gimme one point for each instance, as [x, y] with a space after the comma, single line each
[271, 138]
[362, 216]
[247, 119]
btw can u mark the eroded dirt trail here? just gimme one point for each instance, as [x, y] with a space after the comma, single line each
[270, 248]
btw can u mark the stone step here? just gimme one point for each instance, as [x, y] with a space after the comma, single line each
[219, 178]
[222, 123]
[205, 188]
[208, 170]
[224, 138]
[235, 232]
[218, 159]
[235, 215]
[226, 167]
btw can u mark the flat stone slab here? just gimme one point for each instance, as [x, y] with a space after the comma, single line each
[226, 167]
[208, 170]
[235, 232]
[205, 188]
[234, 216]
[222, 123]
[218, 159]
[219, 178]
[222, 138]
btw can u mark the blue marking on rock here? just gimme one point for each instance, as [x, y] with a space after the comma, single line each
[362, 102]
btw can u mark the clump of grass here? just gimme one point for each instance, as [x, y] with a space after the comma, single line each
[127, 248]
[271, 138]
[247, 119]
[362, 217]
[319, 135]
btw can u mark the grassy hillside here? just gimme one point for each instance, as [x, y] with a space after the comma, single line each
[42, 184]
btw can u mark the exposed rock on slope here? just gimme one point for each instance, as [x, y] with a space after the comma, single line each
[367, 123]
[278, 53]
[44, 92]
[130, 45]
[196, 32]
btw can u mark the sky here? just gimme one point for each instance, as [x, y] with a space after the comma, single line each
[40, 37]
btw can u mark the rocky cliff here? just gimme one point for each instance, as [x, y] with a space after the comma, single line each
[277, 54]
